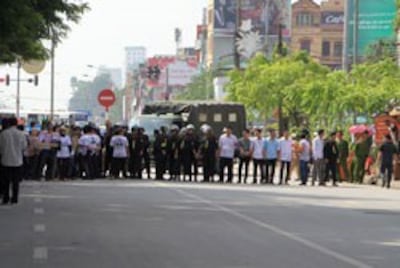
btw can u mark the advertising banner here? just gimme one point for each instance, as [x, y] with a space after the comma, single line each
[180, 72]
[265, 15]
[332, 18]
[375, 22]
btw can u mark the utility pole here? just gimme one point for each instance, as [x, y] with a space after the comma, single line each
[236, 34]
[167, 93]
[345, 60]
[18, 101]
[280, 97]
[52, 81]
[355, 31]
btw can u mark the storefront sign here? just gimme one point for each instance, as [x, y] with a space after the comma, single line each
[332, 18]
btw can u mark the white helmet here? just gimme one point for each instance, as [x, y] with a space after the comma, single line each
[204, 128]
[174, 127]
[190, 126]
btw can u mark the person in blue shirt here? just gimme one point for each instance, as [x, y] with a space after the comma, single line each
[271, 147]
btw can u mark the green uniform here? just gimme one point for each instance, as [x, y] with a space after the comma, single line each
[361, 151]
[343, 147]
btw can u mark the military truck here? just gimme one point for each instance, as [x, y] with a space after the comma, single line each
[182, 113]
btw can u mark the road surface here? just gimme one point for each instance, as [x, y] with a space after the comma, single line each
[156, 224]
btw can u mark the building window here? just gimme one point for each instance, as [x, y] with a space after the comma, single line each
[304, 19]
[203, 117]
[326, 48]
[338, 49]
[232, 117]
[218, 117]
[305, 45]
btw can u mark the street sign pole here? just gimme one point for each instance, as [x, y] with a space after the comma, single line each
[106, 98]
[18, 97]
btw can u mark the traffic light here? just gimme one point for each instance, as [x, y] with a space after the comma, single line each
[153, 72]
[34, 80]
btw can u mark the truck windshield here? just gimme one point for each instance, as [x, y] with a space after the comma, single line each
[152, 123]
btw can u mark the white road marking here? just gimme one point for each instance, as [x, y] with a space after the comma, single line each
[277, 230]
[39, 228]
[38, 211]
[38, 200]
[40, 253]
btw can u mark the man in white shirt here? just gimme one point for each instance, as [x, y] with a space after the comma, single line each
[120, 146]
[257, 148]
[318, 158]
[13, 143]
[64, 154]
[285, 156]
[83, 153]
[227, 145]
[94, 149]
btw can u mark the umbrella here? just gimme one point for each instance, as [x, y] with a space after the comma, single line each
[395, 112]
[358, 129]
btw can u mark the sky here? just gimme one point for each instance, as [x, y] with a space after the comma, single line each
[100, 39]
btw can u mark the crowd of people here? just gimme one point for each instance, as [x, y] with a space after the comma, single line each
[63, 152]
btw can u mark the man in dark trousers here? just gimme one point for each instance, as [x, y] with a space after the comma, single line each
[13, 142]
[227, 144]
[146, 153]
[173, 153]
[137, 147]
[387, 154]
[331, 156]
[208, 151]
[160, 153]
[188, 151]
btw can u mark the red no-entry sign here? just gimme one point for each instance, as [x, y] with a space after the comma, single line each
[106, 98]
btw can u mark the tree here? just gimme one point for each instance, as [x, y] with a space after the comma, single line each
[201, 87]
[85, 94]
[381, 49]
[312, 95]
[265, 85]
[25, 25]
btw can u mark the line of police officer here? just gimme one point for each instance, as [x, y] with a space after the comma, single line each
[177, 152]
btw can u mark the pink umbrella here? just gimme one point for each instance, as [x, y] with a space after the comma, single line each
[357, 129]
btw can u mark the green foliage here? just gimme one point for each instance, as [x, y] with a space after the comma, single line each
[201, 87]
[313, 95]
[85, 94]
[25, 25]
[381, 49]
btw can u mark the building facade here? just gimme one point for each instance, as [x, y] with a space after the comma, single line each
[332, 33]
[319, 30]
[134, 56]
[306, 29]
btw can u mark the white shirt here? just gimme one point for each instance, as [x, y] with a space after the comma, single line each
[13, 142]
[257, 145]
[83, 142]
[120, 144]
[285, 148]
[305, 154]
[65, 143]
[318, 148]
[227, 145]
[94, 143]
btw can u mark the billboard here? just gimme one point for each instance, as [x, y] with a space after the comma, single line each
[375, 22]
[265, 15]
[180, 72]
[332, 18]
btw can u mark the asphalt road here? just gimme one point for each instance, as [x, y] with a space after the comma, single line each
[155, 224]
